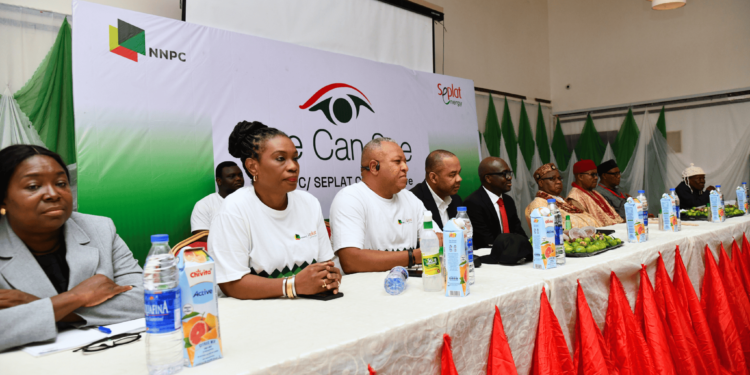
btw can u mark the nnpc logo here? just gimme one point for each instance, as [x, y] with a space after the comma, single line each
[343, 108]
[127, 40]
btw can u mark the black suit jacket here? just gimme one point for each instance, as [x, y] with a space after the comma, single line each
[422, 191]
[484, 218]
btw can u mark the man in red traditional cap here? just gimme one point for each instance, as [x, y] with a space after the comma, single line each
[584, 197]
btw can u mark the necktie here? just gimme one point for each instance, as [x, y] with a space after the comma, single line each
[503, 215]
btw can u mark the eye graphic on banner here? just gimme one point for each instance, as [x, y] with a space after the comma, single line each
[341, 106]
[127, 40]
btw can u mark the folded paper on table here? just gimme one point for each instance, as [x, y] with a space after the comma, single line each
[76, 338]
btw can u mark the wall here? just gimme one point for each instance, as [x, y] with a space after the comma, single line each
[163, 8]
[620, 52]
[501, 45]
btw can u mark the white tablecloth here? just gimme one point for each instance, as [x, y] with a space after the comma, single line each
[403, 334]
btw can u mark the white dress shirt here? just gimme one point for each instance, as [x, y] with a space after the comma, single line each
[441, 204]
[494, 198]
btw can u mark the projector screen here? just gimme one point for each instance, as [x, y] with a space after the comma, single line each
[369, 29]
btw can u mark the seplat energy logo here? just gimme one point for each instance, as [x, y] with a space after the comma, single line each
[127, 40]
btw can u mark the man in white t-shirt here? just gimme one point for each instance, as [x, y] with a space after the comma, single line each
[229, 178]
[375, 222]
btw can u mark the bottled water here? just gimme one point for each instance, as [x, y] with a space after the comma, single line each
[395, 282]
[744, 185]
[469, 239]
[559, 249]
[164, 338]
[430, 246]
[642, 198]
[676, 205]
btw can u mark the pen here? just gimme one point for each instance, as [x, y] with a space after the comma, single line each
[105, 329]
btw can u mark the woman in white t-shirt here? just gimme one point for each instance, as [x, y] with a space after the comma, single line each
[270, 240]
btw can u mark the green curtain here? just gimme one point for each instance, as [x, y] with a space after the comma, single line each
[560, 147]
[509, 136]
[590, 144]
[661, 123]
[492, 130]
[626, 140]
[47, 98]
[525, 136]
[542, 144]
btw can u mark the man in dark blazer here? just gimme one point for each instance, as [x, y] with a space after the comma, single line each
[489, 217]
[441, 183]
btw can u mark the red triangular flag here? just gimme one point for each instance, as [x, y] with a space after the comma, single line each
[446, 359]
[738, 301]
[591, 353]
[739, 265]
[715, 305]
[500, 361]
[652, 325]
[627, 347]
[551, 354]
[370, 370]
[682, 341]
[684, 288]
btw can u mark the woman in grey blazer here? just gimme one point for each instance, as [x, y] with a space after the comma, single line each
[57, 267]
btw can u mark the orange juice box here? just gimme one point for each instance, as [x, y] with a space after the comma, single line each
[667, 209]
[200, 310]
[634, 221]
[456, 261]
[543, 239]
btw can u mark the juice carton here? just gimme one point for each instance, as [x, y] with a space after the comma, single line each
[456, 261]
[742, 199]
[717, 207]
[634, 221]
[200, 310]
[670, 220]
[543, 239]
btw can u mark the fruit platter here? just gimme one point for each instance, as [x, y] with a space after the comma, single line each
[694, 214]
[586, 242]
[701, 213]
[590, 245]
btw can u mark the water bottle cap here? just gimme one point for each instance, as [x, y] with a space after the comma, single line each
[671, 189]
[550, 201]
[159, 238]
[461, 208]
[718, 186]
[641, 191]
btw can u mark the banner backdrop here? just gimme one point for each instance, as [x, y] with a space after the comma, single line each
[156, 100]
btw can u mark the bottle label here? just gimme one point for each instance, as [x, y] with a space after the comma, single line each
[431, 264]
[162, 311]
[470, 249]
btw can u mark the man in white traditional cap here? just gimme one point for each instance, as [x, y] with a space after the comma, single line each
[690, 190]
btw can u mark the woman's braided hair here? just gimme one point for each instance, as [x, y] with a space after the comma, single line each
[248, 140]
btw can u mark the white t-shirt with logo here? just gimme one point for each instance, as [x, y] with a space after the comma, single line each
[204, 211]
[249, 237]
[360, 218]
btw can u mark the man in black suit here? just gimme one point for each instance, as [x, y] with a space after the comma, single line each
[488, 216]
[441, 183]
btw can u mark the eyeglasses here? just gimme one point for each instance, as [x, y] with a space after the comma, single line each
[613, 173]
[505, 174]
[110, 342]
[592, 175]
[554, 179]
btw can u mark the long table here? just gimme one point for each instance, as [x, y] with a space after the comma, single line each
[403, 334]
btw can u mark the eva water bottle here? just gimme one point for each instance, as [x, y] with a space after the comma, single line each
[642, 198]
[469, 236]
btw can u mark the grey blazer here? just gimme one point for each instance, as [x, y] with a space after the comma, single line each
[93, 247]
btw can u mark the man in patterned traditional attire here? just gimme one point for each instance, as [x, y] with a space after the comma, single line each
[583, 195]
[550, 187]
